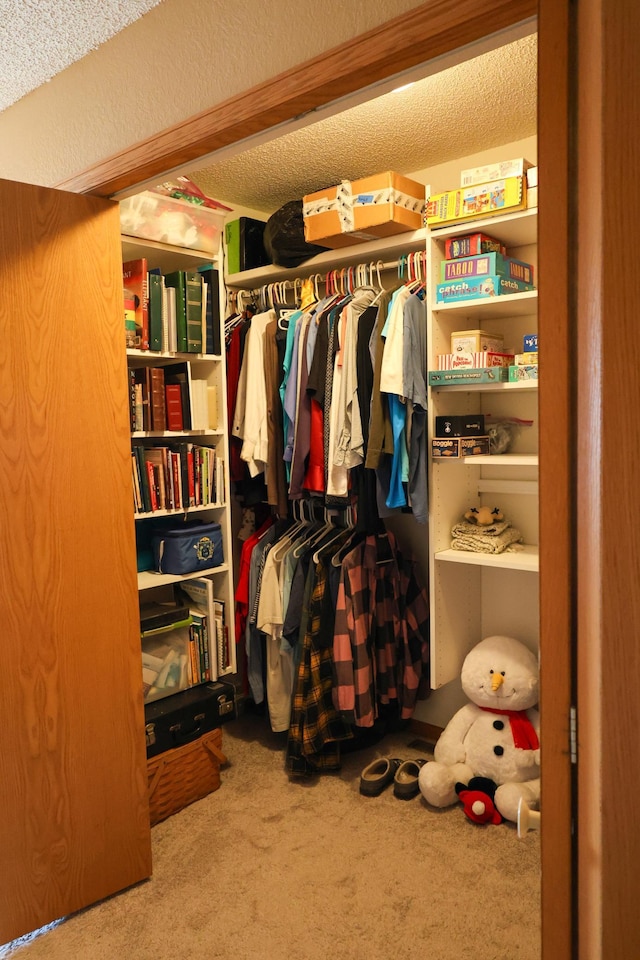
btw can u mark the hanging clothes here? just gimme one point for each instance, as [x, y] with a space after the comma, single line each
[381, 639]
[250, 420]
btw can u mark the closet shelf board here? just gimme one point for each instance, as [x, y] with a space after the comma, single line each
[505, 460]
[163, 255]
[515, 229]
[147, 579]
[508, 305]
[140, 434]
[526, 559]
[201, 508]
[367, 252]
[520, 487]
[486, 388]
[165, 355]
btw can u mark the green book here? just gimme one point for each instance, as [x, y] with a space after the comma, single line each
[193, 292]
[155, 311]
[177, 279]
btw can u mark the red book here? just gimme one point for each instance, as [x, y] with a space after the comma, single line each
[175, 470]
[152, 485]
[173, 395]
[135, 279]
[191, 476]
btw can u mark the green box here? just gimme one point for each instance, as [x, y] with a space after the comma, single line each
[470, 377]
[245, 246]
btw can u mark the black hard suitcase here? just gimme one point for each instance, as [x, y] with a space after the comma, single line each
[185, 716]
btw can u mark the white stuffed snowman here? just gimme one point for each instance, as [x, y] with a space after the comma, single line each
[488, 756]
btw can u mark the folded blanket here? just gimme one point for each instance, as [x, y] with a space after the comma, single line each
[465, 527]
[496, 538]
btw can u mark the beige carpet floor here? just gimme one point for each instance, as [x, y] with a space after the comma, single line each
[268, 868]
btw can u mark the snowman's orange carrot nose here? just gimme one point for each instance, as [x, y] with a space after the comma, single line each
[496, 680]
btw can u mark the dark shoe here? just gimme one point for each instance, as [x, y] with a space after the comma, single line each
[405, 781]
[377, 775]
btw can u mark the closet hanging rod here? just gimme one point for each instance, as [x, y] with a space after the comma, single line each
[345, 270]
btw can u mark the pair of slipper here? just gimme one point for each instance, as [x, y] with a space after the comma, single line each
[378, 774]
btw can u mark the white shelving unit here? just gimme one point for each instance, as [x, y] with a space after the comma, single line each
[209, 367]
[475, 594]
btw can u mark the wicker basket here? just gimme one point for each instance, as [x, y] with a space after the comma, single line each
[180, 776]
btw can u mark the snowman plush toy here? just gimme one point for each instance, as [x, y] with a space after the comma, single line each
[488, 755]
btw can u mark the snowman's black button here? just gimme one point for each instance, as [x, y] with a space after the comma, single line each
[498, 725]
[498, 751]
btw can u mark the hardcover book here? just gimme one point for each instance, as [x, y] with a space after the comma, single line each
[158, 403]
[135, 279]
[180, 373]
[156, 284]
[193, 309]
[173, 398]
[177, 281]
[212, 345]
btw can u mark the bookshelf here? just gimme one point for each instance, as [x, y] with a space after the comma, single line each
[189, 457]
[475, 594]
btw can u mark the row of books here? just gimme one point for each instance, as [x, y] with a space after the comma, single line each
[176, 477]
[208, 616]
[171, 398]
[177, 312]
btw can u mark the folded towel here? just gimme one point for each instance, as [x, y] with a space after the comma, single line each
[479, 542]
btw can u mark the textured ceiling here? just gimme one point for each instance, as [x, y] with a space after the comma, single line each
[478, 104]
[39, 38]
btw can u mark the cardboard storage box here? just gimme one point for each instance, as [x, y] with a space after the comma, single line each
[465, 360]
[357, 210]
[479, 288]
[183, 775]
[476, 341]
[461, 378]
[481, 200]
[519, 374]
[527, 359]
[460, 425]
[453, 448]
[152, 216]
[497, 171]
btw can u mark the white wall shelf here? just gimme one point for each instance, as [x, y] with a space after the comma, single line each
[524, 559]
[505, 460]
[366, 252]
[513, 229]
[147, 579]
[508, 305]
[163, 255]
[521, 385]
[475, 594]
[519, 487]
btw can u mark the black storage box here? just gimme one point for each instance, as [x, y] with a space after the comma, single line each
[460, 425]
[183, 717]
[245, 245]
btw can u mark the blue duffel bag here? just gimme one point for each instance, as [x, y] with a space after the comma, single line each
[188, 548]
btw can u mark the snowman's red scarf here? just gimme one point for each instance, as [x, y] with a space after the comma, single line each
[522, 730]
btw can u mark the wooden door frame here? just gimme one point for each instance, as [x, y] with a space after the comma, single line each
[431, 30]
